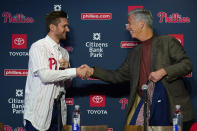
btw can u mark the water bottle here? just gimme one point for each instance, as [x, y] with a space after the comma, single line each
[177, 119]
[76, 119]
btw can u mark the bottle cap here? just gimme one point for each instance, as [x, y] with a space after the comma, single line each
[178, 106]
[77, 106]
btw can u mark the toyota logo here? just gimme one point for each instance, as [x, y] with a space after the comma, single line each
[97, 99]
[19, 41]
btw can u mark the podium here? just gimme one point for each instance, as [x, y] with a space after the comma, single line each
[88, 128]
[150, 128]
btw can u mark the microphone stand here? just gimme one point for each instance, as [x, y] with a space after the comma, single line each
[59, 118]
[144, 89]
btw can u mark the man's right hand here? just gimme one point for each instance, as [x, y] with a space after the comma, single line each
[84, 71]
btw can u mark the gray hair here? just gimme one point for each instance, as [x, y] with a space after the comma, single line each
[142, 14]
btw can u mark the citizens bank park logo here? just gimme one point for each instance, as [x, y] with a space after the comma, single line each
[15, 72]
[57, 7]
[172, 18]
[180, 38]
[17, 103]
[96, 47]
[19, 41]
[18, 18]
[96, 16]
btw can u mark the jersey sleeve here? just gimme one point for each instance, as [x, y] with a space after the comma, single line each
[38, 58]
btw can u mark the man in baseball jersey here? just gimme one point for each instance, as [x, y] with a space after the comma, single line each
[45, 79]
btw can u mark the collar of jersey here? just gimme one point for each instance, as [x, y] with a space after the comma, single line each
[52, 42]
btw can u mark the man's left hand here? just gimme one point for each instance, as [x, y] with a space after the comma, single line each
[157, 75]
[63, 63]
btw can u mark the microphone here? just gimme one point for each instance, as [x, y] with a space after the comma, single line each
[62, 90]
[145, 96]
[144, 87]
[61, 93]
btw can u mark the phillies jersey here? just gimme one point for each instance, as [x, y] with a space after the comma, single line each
[39, 96]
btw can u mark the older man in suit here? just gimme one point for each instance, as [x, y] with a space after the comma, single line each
[157, 59]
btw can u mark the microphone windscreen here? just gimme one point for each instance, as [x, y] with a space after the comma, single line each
[144, 87]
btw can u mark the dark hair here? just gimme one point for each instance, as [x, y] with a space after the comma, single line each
[53, 18]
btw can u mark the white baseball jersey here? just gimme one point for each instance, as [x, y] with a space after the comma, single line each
[39, 95]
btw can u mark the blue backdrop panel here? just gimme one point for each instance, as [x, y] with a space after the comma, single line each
[22, 23]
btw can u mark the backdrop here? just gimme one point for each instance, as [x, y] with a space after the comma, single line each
[98, 38]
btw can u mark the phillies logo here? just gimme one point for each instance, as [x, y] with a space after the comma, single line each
[52, 62]
[97, 101]
[173, 18]
[19, 41]
[19, 129]
[123, 101]
[18, 18]
[9, 128]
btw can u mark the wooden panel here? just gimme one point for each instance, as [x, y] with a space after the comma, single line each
[88, 128]
[150, 128]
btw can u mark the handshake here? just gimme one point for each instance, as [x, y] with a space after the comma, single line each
[84, 71]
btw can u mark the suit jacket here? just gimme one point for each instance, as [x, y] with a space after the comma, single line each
[166, 53]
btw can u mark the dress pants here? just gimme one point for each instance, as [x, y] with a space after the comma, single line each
[54, 120]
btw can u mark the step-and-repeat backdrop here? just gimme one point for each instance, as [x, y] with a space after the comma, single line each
[98, 38]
